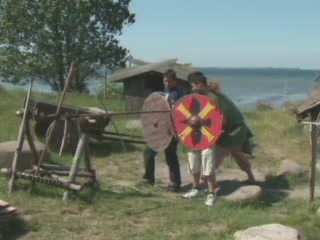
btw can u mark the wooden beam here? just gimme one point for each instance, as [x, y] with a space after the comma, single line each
[20, 140]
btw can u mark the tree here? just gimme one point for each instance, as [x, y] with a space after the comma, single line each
[39, 39]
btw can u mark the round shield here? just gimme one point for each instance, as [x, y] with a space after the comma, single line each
[157, 127]
[198, 122]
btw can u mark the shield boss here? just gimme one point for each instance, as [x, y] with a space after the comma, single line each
[198, 122]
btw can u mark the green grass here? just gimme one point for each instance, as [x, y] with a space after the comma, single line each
[122, 209]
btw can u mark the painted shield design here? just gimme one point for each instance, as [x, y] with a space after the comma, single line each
[157, 127]
[198, 122]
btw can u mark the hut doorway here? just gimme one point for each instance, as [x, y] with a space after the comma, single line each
[154, 83]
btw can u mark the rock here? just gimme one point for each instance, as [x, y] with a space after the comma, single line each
[236, 174]
[7, 150]
[268, 232]
[244, 193]
[289, 167]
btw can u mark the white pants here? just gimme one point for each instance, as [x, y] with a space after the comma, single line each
[202, 162]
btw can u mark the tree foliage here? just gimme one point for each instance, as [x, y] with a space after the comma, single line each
[41, 38]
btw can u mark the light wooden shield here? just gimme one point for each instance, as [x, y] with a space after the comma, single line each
[157, 127]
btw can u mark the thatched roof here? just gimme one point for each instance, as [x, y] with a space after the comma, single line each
[182, 70]
[307, 105]
[138, 62]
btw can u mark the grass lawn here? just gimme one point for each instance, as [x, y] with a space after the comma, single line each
[123, 209]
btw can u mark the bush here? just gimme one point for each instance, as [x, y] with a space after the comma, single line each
[114, 91]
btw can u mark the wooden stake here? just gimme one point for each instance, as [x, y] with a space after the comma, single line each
[76, 162]
[31, 143]
[90, 166]
[313, 162]
[20, 140]
[65, 136]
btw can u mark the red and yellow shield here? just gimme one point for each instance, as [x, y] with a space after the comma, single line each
[198, 122]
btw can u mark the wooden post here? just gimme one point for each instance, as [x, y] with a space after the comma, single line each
[76, 162]
[87, 159]
[313, 162]
[20, 140]
[71, 75]
[65, 136]
[90, 166]
[31, 143]
[105, 83]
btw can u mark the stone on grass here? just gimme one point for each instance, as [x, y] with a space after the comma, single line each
[269, 232]
[244, 193]
[7, 150]
[291, 168]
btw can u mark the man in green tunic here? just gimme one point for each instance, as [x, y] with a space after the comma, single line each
[235, 135]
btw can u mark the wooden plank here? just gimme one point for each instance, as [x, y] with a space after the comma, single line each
[4, 204]
[47, 166]
[67, 173]
[6, 211]
[7, 214]
[66, 182]
[49, 172]
[20, 140]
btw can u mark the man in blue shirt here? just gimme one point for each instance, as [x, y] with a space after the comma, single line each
[173, 94]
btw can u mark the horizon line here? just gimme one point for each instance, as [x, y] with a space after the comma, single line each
[279, 68]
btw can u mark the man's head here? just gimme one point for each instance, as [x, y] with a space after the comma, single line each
[170, 79]
[198, 82]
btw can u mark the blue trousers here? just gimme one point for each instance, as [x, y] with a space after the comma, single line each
[171, 160]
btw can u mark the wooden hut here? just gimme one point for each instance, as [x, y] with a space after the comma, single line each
[308, 109]
[140, 81]
[308, 113]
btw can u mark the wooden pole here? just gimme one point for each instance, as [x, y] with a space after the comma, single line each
[76, 162]
[90, 166]
[93, 115]
[31, 143]
[20, 140]
[105, 82]
[313, 162]
[65, 136]
[71, 75]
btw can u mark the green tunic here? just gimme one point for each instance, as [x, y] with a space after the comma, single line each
[236, 132]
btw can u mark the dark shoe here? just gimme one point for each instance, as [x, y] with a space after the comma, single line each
[147, 182]
[251, 182]
[174, 188]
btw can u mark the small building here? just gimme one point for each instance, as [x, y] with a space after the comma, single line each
[140, 81]
[308, 109]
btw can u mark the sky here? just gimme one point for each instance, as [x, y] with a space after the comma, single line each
[226, 33]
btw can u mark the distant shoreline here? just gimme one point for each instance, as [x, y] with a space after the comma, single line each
[258, 68]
